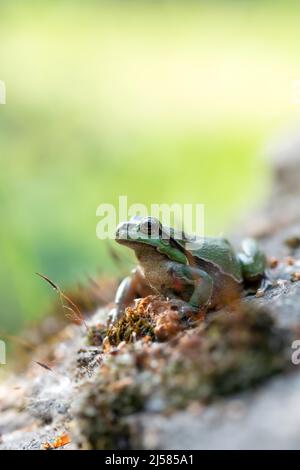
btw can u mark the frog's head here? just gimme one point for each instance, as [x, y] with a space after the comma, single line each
[147, 233]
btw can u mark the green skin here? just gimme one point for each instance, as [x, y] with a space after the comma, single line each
[199, 273]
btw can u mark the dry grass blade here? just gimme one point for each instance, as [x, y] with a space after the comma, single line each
[76, 315]
[55, 287]
[44, 366]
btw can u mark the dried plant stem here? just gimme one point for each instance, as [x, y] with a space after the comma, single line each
[76, 315]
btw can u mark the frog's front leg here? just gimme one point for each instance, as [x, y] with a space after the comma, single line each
[131, 287]
[203, 285]
[252, 260]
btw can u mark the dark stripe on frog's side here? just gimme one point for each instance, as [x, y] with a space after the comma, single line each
[225, 287]
[222, 256]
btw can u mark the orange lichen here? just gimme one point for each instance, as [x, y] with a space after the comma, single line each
[57, 442]
[273, 262]
[295, 276]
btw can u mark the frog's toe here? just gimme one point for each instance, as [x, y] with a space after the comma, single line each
[186, 311]
[266, 285]
[252, 261]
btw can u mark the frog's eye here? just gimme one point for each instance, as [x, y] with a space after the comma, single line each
[150, 226]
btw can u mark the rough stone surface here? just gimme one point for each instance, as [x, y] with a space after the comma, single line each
[267, 418]
[40, 404]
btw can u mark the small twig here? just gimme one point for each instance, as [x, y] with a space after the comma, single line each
[44, 366]
[76, 316]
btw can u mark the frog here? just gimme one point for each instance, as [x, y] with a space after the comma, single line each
[197, 273]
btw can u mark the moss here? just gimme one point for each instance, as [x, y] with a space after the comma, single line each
[152, 317]
[105, 404]
[231, 352]
[132, 326]
[96, 334]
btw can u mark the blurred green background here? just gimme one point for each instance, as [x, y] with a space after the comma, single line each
[163, 101]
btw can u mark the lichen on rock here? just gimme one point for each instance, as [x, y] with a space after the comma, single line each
[230, 352]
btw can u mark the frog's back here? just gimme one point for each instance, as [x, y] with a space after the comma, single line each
[217, 252]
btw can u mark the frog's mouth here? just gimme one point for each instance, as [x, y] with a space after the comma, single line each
[127, 234]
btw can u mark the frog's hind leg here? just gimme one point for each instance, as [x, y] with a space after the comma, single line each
[252, 260]
[201, 284]
[254, 265]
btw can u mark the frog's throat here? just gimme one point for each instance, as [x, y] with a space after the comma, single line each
[143, 250]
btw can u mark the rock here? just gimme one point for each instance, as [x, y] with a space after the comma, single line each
[266, 418]
[224, 383]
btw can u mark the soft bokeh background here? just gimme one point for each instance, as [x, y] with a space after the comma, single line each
[163, 101]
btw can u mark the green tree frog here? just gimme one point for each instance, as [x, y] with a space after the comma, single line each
[201, 273]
